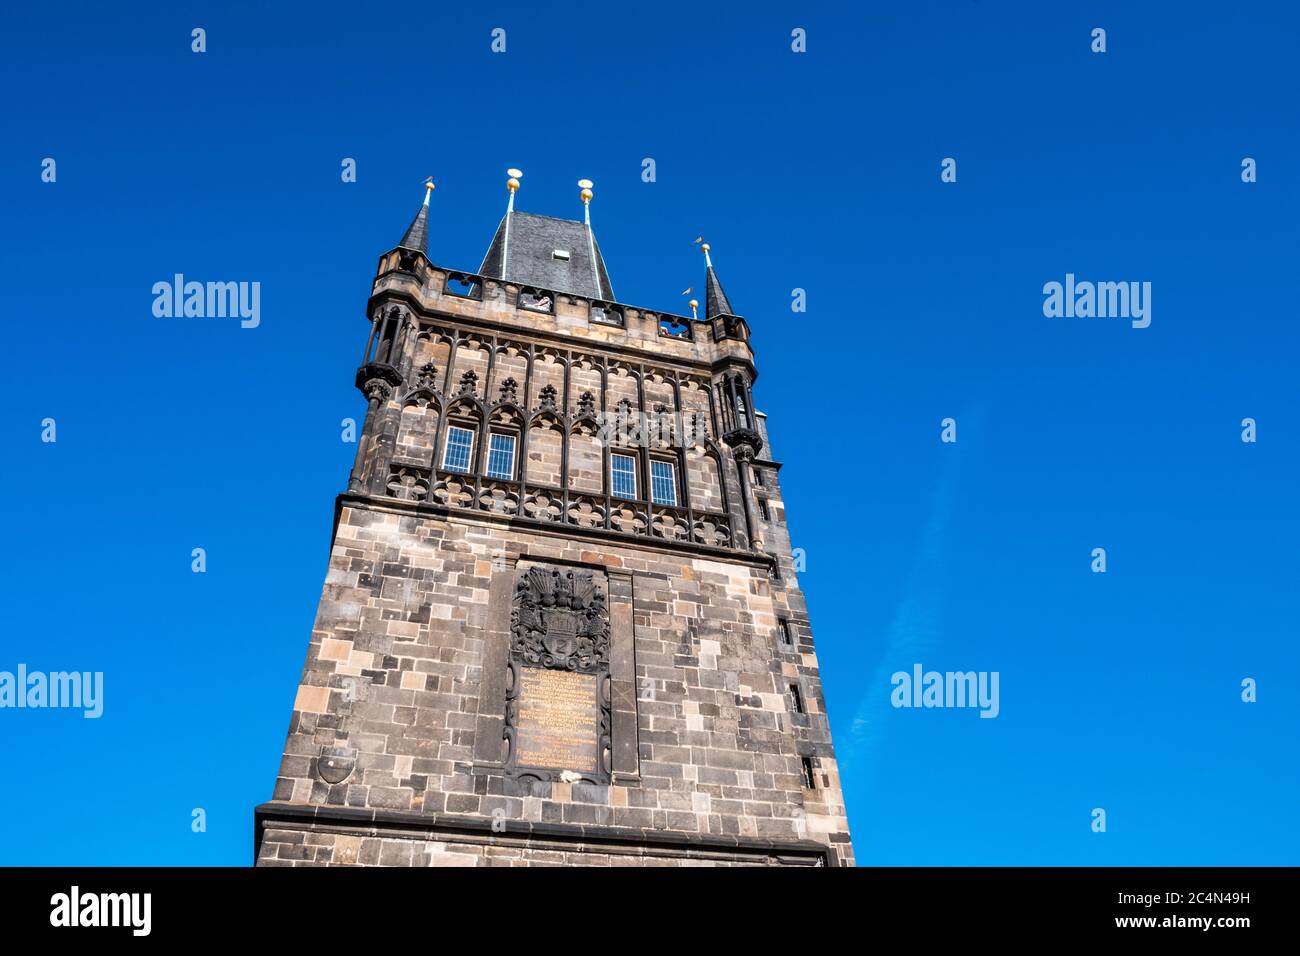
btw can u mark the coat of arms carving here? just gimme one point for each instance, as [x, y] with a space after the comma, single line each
[560, 620]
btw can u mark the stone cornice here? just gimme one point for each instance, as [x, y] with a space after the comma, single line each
[755, 559]
[453, 828]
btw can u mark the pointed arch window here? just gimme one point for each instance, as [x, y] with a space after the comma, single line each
[501, 456]
[623, 476]
[663, 482]
[460, 448]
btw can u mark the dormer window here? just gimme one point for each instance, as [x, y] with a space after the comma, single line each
[561, 254]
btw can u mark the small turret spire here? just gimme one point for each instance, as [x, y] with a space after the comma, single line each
[715, 300]
[417, 233]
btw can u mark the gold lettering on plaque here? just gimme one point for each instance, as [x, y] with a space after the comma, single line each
[559, 720]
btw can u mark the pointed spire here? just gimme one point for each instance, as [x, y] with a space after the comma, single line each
[715, 300]
[417, 233]
[512, 186]
[585, 185]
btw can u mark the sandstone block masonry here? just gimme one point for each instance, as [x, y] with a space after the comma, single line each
[394, 699]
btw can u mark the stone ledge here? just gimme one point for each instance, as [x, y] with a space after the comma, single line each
[414, 825]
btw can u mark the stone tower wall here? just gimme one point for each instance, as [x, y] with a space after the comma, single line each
[404, 742]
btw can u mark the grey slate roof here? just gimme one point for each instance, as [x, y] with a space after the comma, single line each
[417, 233]
[533, 241]
[715, 300]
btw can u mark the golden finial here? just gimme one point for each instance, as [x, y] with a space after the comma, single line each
[707, 261]
[513, 182]
[428, 189]
[586, 195]
[695, 309]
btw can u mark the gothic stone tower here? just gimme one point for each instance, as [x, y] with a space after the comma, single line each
[561, 623]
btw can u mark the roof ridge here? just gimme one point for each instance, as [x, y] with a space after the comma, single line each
[542, 215]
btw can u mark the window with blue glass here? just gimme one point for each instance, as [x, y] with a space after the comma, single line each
[460, 446]
[663, 483]
[501, 457]
[623, 475]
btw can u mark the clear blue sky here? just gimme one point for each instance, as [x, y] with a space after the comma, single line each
[818, 171]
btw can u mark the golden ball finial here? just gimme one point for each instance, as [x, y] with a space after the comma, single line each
[694, 304]
[428, 184]
[513, 182]
[586, 193]
[705, 247]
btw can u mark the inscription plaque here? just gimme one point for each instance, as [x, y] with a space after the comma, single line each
[559, 720]
[557, 715]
